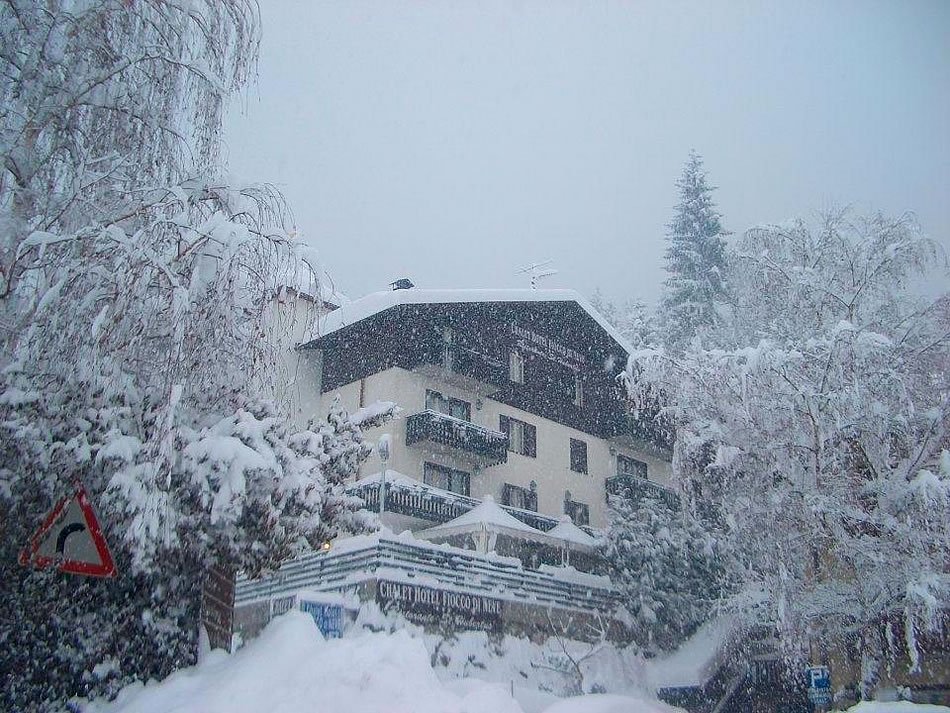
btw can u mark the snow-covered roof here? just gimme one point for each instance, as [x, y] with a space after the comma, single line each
[487, 515]
[569, 532]
[377, 302]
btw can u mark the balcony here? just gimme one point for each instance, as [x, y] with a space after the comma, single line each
[489, 447]
[407, 496]
[636, 488]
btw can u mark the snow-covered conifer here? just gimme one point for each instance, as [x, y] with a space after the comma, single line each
[667, 567]
[695, 259]
[633, 319]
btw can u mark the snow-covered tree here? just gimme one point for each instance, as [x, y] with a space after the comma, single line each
[695, 259]
[632, 319]
[667, 566]
[136, 287]
[820, 429]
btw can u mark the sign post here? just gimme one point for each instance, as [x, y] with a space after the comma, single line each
[819, 686]
[383, 448]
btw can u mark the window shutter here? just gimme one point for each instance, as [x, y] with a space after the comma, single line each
[530, 441]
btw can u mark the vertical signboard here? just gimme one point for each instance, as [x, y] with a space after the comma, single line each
[819, 685]
[328, 617]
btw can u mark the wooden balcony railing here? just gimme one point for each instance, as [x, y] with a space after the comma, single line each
[490, 447]
[637, 488]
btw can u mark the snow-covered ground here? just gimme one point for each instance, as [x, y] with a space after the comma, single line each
[290, 668]
[899, 707]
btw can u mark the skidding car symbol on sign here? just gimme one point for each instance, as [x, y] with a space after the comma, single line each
[70, 539]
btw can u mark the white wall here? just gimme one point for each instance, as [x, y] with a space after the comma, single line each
[550, 469]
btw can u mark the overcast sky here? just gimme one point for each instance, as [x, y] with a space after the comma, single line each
[454, 142]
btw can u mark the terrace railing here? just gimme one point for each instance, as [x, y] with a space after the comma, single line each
[426, 502]
[490, 447]
[637, 488]
[452, 568]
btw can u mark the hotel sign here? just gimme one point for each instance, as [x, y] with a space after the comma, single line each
[547, 347]
[428, 606]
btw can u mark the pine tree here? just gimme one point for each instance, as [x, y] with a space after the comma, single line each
[633, 319]
[695, 258]
[666, 566]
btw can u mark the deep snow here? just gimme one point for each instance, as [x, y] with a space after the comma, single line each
[290, 668]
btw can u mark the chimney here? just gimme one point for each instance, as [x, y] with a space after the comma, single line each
[402, 284]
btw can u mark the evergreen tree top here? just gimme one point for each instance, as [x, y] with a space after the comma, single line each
[695, 257]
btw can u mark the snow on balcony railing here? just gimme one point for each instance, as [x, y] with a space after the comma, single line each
[490, 446]
[348, 565]
[407, 496]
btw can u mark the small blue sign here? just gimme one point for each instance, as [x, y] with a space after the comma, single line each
[819, 685]
[329, 617]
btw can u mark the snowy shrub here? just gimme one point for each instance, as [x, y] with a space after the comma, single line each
[246, 491]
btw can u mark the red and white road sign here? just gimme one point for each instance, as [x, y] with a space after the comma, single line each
[71, 540]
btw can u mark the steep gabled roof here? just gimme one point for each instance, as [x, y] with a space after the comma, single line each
[378, 302]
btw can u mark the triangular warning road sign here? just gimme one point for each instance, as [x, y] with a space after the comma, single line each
[70, 539]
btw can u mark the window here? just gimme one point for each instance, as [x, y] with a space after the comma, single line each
[578, 389]
[578, 512]
[517, 497]
[439, 476]
[631, 466]
[449, 406]
[578, 456]
[460, 409]
[435, 401]
[516, 367]
[522, 437]
[448, 353]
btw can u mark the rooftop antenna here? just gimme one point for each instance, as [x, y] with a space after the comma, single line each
[537, 271]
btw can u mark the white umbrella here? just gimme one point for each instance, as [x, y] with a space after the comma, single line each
[571, 537]
[484, 523]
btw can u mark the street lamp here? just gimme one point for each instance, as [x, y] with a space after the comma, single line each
[383, 448]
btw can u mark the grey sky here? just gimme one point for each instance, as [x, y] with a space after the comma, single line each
[452, 142]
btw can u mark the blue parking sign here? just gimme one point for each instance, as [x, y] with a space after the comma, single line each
[329, 617]
[819, 685]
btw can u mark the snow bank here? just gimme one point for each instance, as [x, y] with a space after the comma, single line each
[606, 703]
[897, 707]
[290, 668]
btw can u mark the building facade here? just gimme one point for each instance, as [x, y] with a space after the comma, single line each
[511, 394]
[511, 433]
